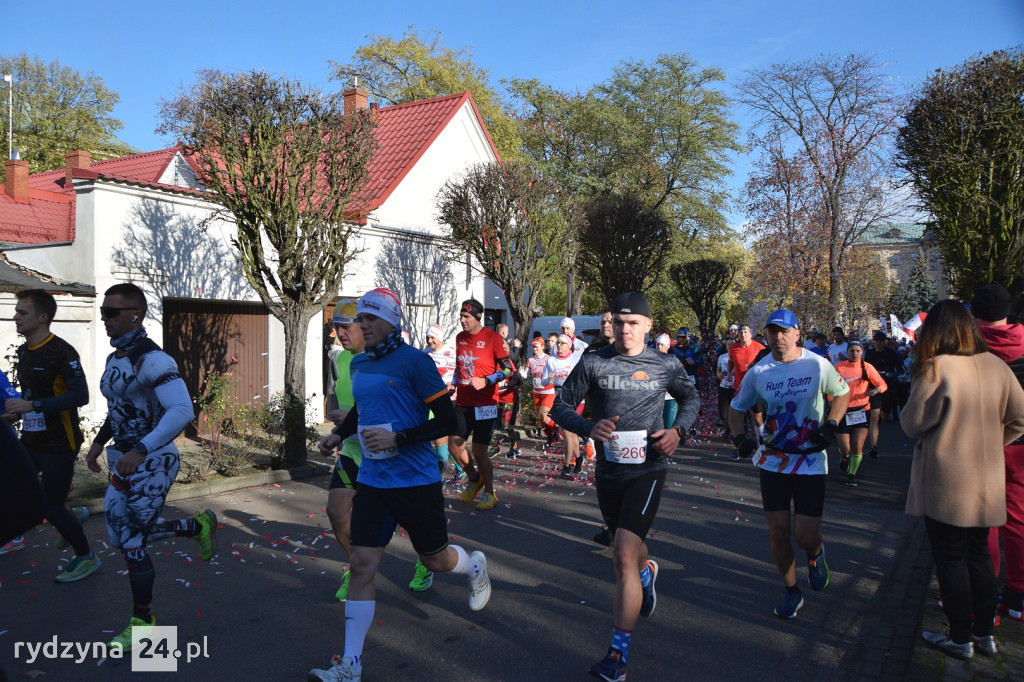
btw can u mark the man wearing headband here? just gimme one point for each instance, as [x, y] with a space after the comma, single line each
[394, 386]
[791, 461]
[481, 362]
[624, 386]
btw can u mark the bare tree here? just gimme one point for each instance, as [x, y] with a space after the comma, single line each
[285, 164]
[837, 116]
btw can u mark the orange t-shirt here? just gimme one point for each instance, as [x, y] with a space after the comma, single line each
[741, 358]
[858, 387]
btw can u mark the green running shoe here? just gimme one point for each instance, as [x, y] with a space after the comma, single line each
[125, 638]
[423, 578]
[79, 568]
[207, 536]
[342, 593]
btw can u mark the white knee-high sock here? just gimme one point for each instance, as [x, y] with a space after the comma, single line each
[358, 618]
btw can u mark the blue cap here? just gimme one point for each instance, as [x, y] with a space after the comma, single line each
[683, 331]
[783, 318]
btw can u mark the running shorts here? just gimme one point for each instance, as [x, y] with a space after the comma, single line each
[631, 503]
[806, 492]
[466, 425]
[344, 473]
[377, 512]
[843, 427]
[543, 400]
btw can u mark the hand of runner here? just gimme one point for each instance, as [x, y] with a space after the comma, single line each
[328, 444]
[17, 406]
[92, 456]
[378, 440]
[603, 429]
[665, 441]
[129, 462]
[746, 446]
[337, 416]
[478, 383]
[823, 436]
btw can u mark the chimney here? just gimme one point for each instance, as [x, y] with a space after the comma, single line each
[75, 159]
[355, 100]
[16, 179]
[373, 111]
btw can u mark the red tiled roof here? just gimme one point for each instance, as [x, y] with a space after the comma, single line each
[45, 217]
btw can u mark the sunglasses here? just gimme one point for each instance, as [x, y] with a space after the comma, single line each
[112, 311]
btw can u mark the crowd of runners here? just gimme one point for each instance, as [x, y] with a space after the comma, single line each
[621, 404]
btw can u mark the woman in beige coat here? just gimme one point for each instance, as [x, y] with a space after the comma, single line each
[964, 405]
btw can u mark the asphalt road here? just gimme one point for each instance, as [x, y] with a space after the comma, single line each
[264, 608]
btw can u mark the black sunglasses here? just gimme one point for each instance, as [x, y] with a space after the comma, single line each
[112, 311]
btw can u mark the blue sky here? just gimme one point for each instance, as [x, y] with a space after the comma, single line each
[144, 51]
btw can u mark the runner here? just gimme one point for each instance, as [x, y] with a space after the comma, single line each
[543, 390]
[837, 351]
[662, 344]
[481, 362]
[443, 356]
[890, 365]
[605, 336]
[53, 388]
[725, 387]
[865, 384]
[624, 386]
[568, 327]
[791, 461]
[147, 407]
[742, 356]
[394, 386]
[557, 369]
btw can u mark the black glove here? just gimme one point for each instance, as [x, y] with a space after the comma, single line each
[746, 446]
[824, 435]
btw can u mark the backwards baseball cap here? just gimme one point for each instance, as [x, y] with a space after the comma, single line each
[783, 318]
[344, 312]
[567, 322]
[631, 303]
[383, 303]
[991, 302]
[435, 331]
[473, 307]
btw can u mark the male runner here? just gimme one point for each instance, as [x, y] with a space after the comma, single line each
[568, 327]
[624, 385]
[394, 386]
[605, 336]
[53, 387]
[481, 363]
[147, 407]
[890, 365]
[792, 461]
[837, 351]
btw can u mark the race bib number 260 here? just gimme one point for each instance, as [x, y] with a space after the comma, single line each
[626, 447]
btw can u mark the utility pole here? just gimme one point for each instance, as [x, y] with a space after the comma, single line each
[9, 79]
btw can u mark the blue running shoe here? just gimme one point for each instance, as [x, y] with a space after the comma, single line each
[610, 668]
[650, 596]
[817, 571]
[794, 601]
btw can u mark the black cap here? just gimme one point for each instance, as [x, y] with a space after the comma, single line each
[880, 336]
[991, 302]
[631, 303]
[473, 307]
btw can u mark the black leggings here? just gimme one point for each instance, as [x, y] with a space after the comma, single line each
[56, 470]
[967, 580]
[22, 503]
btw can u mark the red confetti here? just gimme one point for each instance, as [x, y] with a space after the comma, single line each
[199, 611]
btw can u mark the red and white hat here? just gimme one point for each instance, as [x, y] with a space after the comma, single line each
[435, 331]
[383, 303]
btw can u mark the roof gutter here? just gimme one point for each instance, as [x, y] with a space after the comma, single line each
[22, 247]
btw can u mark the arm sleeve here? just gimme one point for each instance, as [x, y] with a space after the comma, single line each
[105, 433]
[440, 425]
[174, 399]
[349, 425]
[77, 394]
[572, 393]
[875, 378]
[686, 396]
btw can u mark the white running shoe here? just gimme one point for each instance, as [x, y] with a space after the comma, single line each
[480, 586]
[343, 670]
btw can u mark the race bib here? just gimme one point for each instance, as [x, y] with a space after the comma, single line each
[759, 455]
[486, 412]
[858, 417]
[626, 447]
[367, 453]
[33, 421]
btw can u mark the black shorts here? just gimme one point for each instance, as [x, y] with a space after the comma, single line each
[807, 493]
[344, 473]
[885, 401]
[631, 503]
[845, 428]
[466, 425]
[376, 512]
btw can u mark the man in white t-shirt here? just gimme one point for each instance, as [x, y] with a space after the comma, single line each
[725, 382]
[837, 351]
[791, 457]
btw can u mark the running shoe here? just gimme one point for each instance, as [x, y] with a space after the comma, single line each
[578, 466]
[590, 451]
[342, 593]
[341, 670]
[207, 536]
[603, 537]
[79, 568]
[125, 638]
[487, 501]
[610, 668]
[945, 644]
[566, 471]
[793, 603]
[985, 645]
[480, 586]
[735, 456]
[851, 481]
[844, 464]
[472, 488]
[13, 546]
[1012, 602]
[81, 515]
[515, 451]
[873, 453]
[650, 596]
[817, 571]
[423, 579]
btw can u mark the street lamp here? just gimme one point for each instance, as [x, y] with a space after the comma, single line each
[9, 79]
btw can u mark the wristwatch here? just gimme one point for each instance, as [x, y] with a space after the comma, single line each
[833, 422]
[37, 405]
[400, 439]
[682, 434]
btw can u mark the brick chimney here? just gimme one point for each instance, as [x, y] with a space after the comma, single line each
[16, 179]
[355, 100]
[76, 159]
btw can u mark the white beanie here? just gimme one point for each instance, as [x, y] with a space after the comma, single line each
[383, 303]
[663, 340]
[567, 322]
[435, 331]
